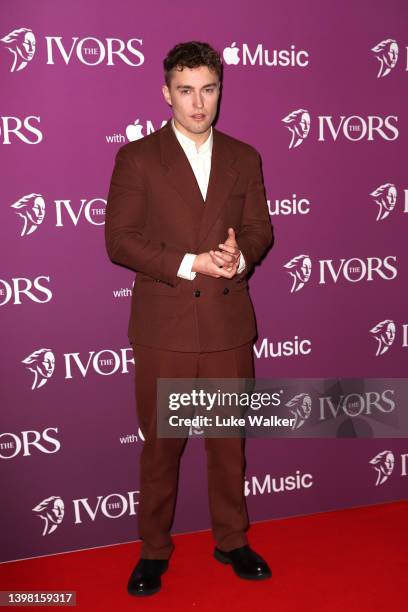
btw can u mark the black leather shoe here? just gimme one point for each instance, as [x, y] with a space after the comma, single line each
[145, 578]
[245, 562]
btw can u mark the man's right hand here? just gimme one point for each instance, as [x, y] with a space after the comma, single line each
[204, 264]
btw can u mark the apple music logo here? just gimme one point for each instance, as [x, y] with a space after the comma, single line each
[231, 55]
[134, 131]
[260, 56]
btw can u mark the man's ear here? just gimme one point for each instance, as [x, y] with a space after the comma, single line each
[166, 94]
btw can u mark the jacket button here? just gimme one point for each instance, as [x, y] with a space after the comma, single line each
[197, 293]
[226, 290]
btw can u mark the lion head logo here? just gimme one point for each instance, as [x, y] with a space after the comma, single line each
[384, 333]
[51, 510]
[21, 44]
[383, 464]
[42, 364]
[298, 124]
[31, 208]
[387, 54]
[301, 408]
[300, 269]
[385, 196]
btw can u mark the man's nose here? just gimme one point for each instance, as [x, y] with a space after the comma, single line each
[198, 102]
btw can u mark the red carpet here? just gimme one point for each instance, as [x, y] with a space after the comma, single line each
[348, 560]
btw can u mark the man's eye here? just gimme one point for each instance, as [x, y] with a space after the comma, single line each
[185, 91]
[210, 90]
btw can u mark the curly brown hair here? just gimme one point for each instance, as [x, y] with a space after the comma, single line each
[191, 54]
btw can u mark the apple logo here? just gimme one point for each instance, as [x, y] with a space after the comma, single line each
[247, 489]
[134, 131]
[230, 54]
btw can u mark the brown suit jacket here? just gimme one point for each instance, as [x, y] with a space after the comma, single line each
[155, 214]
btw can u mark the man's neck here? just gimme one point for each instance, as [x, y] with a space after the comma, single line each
[198, 139]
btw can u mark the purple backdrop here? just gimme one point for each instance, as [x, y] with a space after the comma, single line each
[320, 90]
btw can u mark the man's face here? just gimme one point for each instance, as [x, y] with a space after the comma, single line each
[193, 95]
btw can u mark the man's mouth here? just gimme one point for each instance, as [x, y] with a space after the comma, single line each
[198, 116]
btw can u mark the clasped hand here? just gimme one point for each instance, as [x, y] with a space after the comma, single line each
[220, 263]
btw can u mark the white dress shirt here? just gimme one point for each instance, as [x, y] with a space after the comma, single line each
[200, 161]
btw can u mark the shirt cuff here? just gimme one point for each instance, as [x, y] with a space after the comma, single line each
[185, 270]
[242, 264]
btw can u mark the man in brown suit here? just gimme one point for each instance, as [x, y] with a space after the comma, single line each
[187, 211]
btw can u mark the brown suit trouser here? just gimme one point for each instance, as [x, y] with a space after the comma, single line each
[159, 460]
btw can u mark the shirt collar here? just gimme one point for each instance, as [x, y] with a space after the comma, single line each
[188, 144]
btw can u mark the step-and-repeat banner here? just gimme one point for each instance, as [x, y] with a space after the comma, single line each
[320, 90]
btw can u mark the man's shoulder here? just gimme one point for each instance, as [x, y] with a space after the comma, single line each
[141, 148]
[242, 148]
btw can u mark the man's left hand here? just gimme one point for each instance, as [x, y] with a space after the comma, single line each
[228, 255]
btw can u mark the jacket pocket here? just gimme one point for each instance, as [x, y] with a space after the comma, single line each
[151, 286]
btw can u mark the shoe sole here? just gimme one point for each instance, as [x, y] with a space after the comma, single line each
[222, 559]
[144, 594]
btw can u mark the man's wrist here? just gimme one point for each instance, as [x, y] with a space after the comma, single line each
[193, 271]
[242, 263]
[186, 267]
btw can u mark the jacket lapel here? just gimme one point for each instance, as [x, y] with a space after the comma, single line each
[177, 169]
[178, 172]
[222, 179]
